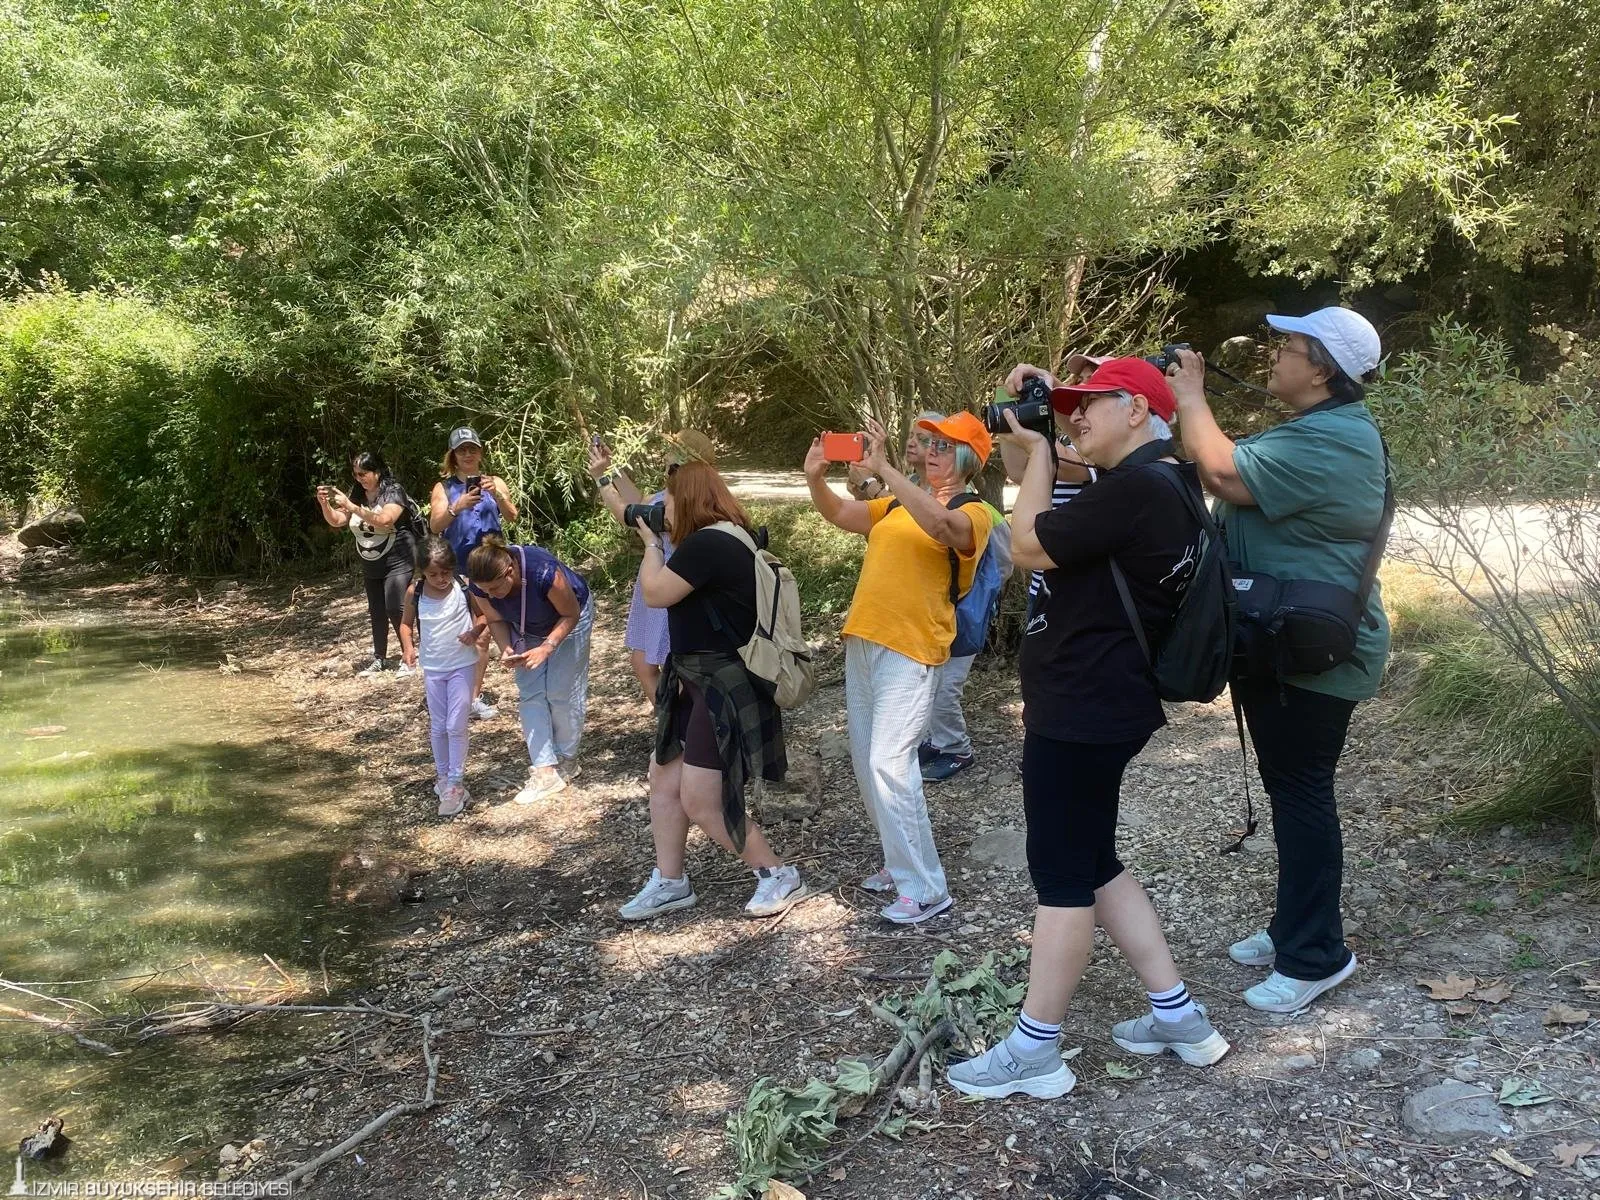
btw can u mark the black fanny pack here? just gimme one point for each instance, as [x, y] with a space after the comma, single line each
[1305, 626]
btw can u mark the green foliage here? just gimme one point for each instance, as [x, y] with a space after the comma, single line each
[825, 559]
[1461, 425]
[782, 1131]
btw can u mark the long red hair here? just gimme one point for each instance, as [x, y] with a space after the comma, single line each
[701, 498]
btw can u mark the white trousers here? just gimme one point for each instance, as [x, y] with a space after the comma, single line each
[888, 698]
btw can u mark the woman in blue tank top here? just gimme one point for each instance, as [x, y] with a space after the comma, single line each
[540, 614]
[466, 506]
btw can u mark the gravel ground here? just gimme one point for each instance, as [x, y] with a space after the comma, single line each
[623, 1049]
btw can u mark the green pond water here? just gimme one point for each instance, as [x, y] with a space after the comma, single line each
[160, 834]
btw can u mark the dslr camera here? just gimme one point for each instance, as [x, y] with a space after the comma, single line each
[654, 515]
[1168, 356]
[1032, 408]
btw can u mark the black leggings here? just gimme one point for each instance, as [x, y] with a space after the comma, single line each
[1298, 737]
[386, 604]
[1070, 792]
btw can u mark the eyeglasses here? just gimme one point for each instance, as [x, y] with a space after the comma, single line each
[941, 445]
[1280, 344]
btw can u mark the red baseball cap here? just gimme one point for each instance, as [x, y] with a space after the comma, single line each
[965, 428]
[1133, 375]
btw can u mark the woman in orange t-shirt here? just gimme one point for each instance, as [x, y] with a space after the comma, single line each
[899, 630]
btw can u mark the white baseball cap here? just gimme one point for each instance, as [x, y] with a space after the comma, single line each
[1349, 338]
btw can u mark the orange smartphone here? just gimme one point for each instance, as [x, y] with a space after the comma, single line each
[844, 447]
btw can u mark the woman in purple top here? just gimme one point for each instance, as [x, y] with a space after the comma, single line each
[540, 615]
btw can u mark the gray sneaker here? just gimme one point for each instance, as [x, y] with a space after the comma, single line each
[1191, 1039]
[996, 1074]
[1256, 950]
[659, 896]
[777, 889]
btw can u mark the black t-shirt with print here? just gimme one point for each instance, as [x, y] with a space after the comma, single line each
[383, 553]
[1084, 678]
[722, 570]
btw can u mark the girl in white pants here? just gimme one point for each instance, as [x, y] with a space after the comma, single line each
[445, 646]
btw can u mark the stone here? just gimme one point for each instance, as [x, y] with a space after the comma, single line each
[1001, 847]
[799, 795]
[229, 1155]
[1256, 1172]
[59, 528]
[1362, 1061]
[834, 745]
[1298, 1062]
[1467, 1070]
[1452, 1112]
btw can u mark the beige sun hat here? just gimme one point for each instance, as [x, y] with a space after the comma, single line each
[693, 445]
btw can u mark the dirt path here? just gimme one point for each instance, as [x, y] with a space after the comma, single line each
[648, 1036]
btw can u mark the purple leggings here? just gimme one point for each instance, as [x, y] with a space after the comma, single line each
[449, 695]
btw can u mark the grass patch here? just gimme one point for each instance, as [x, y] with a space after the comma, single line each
[1532, 760]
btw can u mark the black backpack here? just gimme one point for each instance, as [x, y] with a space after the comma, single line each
[1193, 660]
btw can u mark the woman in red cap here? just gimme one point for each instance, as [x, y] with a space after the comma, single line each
[1089, 706]
[898, 633]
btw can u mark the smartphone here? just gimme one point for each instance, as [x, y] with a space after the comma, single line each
[474, 481]
[844, 447]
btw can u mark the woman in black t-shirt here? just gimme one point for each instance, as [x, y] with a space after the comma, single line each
[376, 515]
[1089, 706]
[716, 724]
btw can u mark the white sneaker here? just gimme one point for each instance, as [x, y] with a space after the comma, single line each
[1280, 994]
[659, 896]
[1256, 950]
[777, 889]
[880, 881]
[542, 782]
[376, 667]
[481, 711]
[405, 670]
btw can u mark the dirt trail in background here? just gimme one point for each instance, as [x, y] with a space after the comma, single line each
[650, 1035]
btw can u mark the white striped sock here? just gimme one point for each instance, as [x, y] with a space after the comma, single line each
[1172, 1005]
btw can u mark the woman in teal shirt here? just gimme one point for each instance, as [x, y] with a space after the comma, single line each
[1303, 500]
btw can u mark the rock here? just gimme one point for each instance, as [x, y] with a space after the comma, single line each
[1002, 847]
[1362, 1061]
[1467, 1070]
[1452, 1112]
[442, 995]
[59, 528]
[834, 745]
[363, 878]
[1299, 1062]
[799, 795]
[228, 1155]
[1256, 1172]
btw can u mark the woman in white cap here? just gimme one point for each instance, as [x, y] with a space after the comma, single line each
[1305, 500]
[467, 505]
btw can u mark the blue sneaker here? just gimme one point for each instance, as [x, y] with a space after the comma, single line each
[1280, 994]
[926, 754]
[943, 766]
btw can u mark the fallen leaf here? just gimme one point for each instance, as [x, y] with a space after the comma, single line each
[1505, 1159]
[1516, 1092]
[1461, 1008]
[1568, 1153]
[1320, 1153]
[837, 1175]
[1564, 1014]
[777, 1189]
[1494, 993]
[1117, 1071]
[1069, 1055]
[1451, 987]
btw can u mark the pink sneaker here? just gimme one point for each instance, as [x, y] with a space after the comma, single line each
[879, 881]
[906, 911]
[453, 799]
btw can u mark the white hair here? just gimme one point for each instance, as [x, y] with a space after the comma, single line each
[1160, 430]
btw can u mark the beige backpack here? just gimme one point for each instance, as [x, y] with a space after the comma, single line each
[777, 651]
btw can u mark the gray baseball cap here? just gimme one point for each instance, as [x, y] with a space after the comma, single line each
[465, 435]
[1349, 338]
